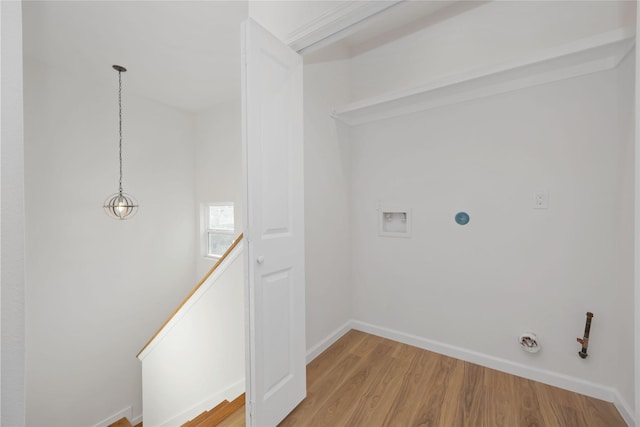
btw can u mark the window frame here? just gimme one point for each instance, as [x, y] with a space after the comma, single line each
[208, 230]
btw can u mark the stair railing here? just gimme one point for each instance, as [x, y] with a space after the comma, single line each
[196, 359]
[194, 290]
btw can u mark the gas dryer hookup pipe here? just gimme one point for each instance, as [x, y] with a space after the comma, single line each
[585, 340]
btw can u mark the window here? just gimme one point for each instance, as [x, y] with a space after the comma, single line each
[220, 228]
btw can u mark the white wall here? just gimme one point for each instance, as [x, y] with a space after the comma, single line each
[512, 268]
[198, 359]
[12, 405]
[481, 36]
[327, 194]
[625, 77]
[637, 222]
[218, 170]
[98, 288]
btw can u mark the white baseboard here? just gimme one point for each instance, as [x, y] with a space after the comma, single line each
[125, 413]
[625, 410]
[566, 382]
[136, 420]
[229, 394]
[334, 336]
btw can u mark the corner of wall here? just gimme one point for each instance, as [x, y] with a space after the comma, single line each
[625, 409]
[637, 225]
[12, 279]
[327, 186]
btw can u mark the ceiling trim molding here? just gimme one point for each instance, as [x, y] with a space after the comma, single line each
[598, 53]
[332, 25]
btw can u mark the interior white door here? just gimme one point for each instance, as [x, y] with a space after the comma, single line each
[274, 226]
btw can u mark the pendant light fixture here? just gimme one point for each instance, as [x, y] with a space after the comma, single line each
[120, 205]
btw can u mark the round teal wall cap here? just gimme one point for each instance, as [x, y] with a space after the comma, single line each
[462, 218]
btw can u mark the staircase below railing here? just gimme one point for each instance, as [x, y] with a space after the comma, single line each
[217, 415]
[196, 359]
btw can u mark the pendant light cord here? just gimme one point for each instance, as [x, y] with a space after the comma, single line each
[120, 127]
[120, 205]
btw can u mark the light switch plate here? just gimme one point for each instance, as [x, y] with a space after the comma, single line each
[541, 200]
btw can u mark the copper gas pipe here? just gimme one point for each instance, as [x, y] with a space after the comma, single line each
[585, 341]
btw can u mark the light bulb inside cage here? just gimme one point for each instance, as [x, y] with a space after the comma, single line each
[121, 206]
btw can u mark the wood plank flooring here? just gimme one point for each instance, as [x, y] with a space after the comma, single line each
[123, 422]
[364, 380]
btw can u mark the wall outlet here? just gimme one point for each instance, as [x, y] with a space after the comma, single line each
[541, 200]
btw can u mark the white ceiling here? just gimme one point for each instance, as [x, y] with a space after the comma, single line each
[181, 53]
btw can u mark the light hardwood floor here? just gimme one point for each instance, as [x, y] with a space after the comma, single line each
[364, 380]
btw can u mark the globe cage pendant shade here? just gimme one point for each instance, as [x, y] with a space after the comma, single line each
[120, 205]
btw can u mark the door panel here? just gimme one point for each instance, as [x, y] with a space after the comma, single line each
[274, 225]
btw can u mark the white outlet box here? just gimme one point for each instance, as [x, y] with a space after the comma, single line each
[394, 221]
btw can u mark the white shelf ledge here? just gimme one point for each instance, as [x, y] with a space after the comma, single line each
[602, 52]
